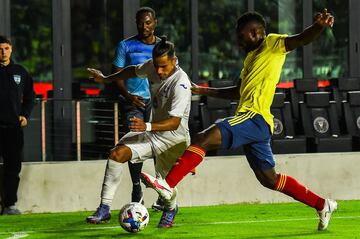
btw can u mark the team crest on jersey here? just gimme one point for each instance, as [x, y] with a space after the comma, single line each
[17, 79]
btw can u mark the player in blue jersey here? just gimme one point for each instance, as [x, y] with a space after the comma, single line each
[135, 93]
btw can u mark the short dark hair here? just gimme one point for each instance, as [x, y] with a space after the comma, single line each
[164, 47]
[4, 39]
[145, 9]
[250, 17]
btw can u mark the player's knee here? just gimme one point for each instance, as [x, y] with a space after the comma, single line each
[268, 182]
[117, 155]
[114, 155]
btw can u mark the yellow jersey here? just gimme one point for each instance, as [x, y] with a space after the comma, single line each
[259, 77]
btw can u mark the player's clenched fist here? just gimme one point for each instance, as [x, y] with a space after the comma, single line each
[324, 19]
[137, 124]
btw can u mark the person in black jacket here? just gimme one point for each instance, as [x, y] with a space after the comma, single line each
[16, 102]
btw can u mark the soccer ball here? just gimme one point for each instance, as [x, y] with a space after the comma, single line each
[133, 217]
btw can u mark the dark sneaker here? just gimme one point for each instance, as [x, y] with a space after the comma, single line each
[102, 215]
[167, 218]
[158, 205]
[11, 210]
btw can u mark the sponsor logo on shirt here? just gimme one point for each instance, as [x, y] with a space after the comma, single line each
[183, 85]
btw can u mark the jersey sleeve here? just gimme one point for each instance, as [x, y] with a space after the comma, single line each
[120, 55]
[277, 43]
[181, 97]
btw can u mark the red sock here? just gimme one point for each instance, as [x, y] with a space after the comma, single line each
[192, 157]
[294, 189]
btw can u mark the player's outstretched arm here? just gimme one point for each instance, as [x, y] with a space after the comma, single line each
[231, 92]
[126, 73]
[119, 76]
[322, 20]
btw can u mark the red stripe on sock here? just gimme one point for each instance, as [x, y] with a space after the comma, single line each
[294, 189]
[192, 157]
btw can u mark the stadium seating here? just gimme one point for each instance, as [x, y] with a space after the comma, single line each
[297, 94]
[340, 87]
[352, 117]
[213, 109]
[284, 139]
[321, 126]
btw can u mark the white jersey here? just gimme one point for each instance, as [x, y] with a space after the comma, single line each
[170, 98]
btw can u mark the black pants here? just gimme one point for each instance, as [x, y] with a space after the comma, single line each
[11, 150]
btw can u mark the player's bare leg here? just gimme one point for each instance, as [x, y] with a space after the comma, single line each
[208, 139]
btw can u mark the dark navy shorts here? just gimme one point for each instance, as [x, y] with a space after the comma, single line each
[128, 111]
[252, 133]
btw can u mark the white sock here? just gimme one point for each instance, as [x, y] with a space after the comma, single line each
[171, 203]
[112, 178]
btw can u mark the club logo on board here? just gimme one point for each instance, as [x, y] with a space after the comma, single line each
[278, 126]
[321, 125]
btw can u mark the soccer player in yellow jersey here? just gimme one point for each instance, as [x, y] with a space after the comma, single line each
[252, 124]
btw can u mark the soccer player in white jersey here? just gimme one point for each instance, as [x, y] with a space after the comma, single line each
[165, 137]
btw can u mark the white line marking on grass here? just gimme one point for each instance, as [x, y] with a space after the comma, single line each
[17, 235]
[271, 220]
[25, 233]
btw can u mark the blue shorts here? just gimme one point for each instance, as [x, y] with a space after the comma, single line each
[253, 133]
[128, 111]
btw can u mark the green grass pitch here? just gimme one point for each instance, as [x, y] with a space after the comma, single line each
[285, 220]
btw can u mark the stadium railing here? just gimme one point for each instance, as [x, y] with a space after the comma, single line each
[67, 130]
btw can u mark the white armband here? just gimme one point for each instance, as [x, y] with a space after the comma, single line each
[148, 126]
